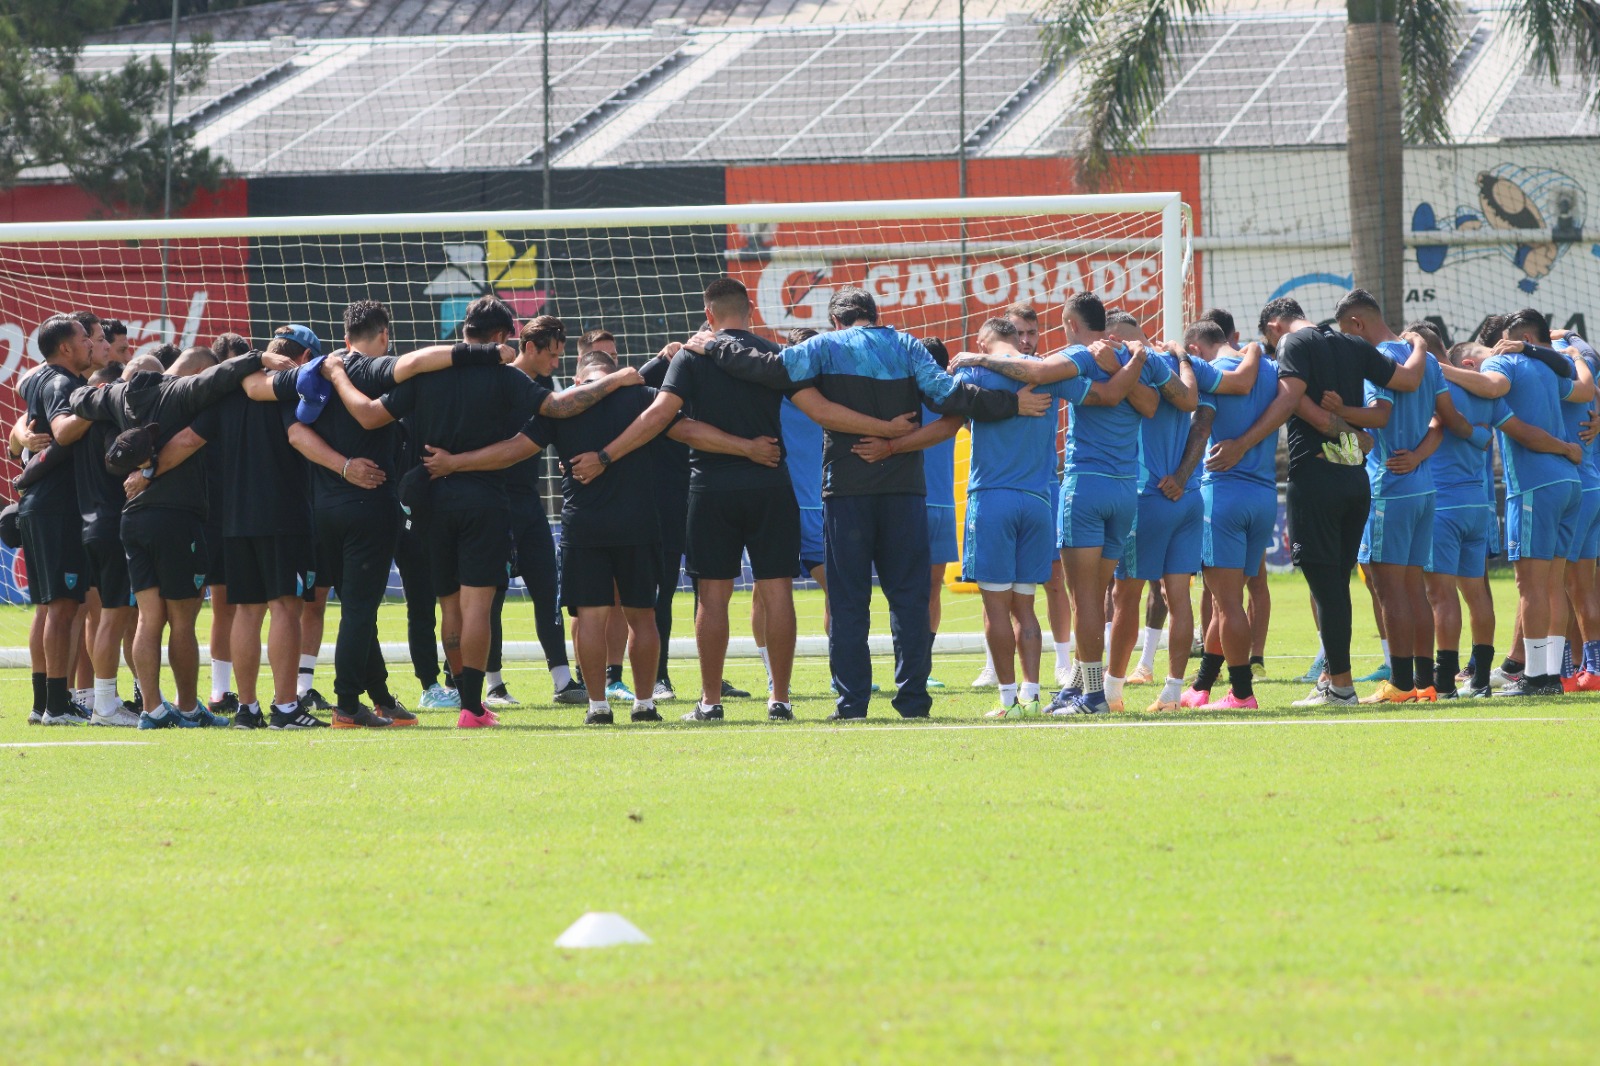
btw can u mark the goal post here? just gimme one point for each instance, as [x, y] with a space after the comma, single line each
[937, 267]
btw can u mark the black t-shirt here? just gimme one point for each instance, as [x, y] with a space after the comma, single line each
[264, 490]
[523, 479]
[742, 408]
[616, 507]
[461, 410]
[100, 495]
[1327, 362]
[374, 376]
[48, 394]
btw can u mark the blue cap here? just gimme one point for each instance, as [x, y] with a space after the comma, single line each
[302, 336]
[314, 389]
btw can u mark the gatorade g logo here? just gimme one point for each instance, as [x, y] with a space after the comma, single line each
[72, 580]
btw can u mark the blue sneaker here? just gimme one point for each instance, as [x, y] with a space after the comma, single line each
[1084, 703]
[617, 692]
[935, 684]
[201, 719]
[1380, 674]
[166, 717]
[439, 698]
[833, 683]
[1315, 671]
[1062, 698]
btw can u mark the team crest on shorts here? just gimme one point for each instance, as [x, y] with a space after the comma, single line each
[199, 580]
[311, 579]
[72, 580]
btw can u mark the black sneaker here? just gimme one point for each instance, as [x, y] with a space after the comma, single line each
[249, 718]
[1522, 686]
[731, 693]
[837, 716]
[702, 713]
[1550, 685]
[313, 701]
[299, 718]
[1449, 692]
[361, 718]
[226, 707]
[648, 714]
[780, 712]
[598, 718]
[396, 712]
[1483, 693]
[573, 692]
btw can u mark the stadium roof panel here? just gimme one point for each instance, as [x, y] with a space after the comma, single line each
[1536, 108]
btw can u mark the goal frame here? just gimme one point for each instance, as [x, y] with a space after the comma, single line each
[1169, 205]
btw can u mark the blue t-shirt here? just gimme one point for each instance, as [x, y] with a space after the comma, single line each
[1458, 464]
[1235, 415]
[1016, 453]
[1105, 440]
[1535, 398]
[939, 467]
[1408, 424]
[1164, 434]
[1574, 415]
[802, 448]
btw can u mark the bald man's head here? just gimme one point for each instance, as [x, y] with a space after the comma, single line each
[142, 363]
[192, 361]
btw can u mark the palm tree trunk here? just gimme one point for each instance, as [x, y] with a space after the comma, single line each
[1376, 153]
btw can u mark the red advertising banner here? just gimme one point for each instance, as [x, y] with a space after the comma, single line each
[914, 268]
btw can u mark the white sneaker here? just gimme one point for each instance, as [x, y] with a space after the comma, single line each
[986, 678]
[63, 719]
[1499, 678]
[1324, 696]
[119, 716]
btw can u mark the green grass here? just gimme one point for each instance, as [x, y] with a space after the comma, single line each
[1201, 889]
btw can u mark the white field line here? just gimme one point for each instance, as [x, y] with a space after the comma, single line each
[76, 744]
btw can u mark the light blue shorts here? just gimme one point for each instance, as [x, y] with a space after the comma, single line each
[942, 536]
[1097, 512]
[1461, 540]
[1586, 537]
[1166, 538]
[812, 549]
[1010, 538]
[1541, 523]
[1240, 519]
[1399, 531]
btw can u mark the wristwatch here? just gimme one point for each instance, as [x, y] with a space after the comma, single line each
[605, 460]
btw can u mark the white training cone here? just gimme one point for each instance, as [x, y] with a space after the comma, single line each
[598, 929]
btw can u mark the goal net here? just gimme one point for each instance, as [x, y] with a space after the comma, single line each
[938, 268]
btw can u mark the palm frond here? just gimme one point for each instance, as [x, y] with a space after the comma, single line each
[1557, 29]
[1124, 50]
[1429, 37]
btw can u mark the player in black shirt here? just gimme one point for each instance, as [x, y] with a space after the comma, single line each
[469, 533]
[610, 535]
[52, 527]
[163, 527]
[223, 700]
[1329, 496]
[735, 505]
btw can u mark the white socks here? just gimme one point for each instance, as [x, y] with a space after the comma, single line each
[1029, 691]
[644, 705]
[285, 708]
[599, 705]
[1536, 656]
[560, 676]
[1093, 676]
[988, 659]
[1008, 695]
[221, 679]
[766, 663]
[1152, 643]
[1063, 654]
[1114, 687]
[308, 667]
[1387, 658]
[1555, 652]
[105, 695]
[1172, 690]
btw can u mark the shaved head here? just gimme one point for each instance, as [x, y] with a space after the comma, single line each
[192, 361]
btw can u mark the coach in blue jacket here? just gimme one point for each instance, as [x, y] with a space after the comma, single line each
[874, 515]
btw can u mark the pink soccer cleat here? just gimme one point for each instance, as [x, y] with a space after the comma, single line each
[1230, 702]
[1193, 698]
[468, 720]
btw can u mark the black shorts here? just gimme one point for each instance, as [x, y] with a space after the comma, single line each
[216, 558]
[1327, 515]
[723, 525]
[52, 550]
[108, 569]
[469, 546]
[166, 550]
[598, 575]
[266, 568]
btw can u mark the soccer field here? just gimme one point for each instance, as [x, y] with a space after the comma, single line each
[1278, 887]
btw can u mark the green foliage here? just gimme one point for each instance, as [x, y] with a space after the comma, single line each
[107, 129]
[1429, 37]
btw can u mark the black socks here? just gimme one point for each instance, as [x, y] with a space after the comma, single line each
[57, 698]
[614, 673]
[1422, 666]
[470, 684]
[1210, 668]
[39, 695]
[1400, 667]
[1482, 661]
[1239, 680]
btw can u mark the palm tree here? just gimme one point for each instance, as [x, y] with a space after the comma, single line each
[1398, 74]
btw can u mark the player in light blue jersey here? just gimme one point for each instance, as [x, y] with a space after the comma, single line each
[1398, 542]
[1166, 542]
[1543, 494]
[1099, 490]
[1581, 593]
